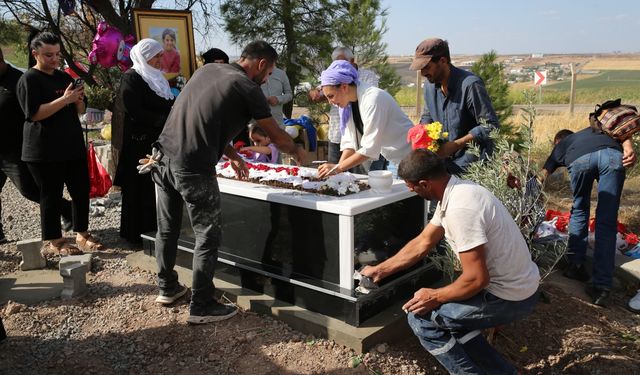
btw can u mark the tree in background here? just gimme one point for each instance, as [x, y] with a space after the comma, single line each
[13, 37]
[492, 73]
[299, 30]
[355, 27]
[77, 29]
[76, 32]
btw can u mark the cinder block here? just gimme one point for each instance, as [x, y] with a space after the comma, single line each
[74, 277]
[104, 155]
[84, 259]
[32, 259]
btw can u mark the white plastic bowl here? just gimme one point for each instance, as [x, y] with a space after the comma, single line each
[380, 181]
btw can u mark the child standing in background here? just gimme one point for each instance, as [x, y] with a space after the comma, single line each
[265, 151]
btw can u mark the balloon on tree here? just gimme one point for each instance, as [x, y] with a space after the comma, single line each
[111, 48]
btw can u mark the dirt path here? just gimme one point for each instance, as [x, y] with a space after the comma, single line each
[117, 328]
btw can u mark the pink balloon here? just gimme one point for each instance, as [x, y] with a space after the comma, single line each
[111, 48]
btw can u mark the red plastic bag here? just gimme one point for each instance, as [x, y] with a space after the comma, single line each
[563, 219]
[100, 181]
[621, 228]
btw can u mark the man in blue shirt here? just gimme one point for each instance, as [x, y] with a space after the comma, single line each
[591, 157]
[458, 100]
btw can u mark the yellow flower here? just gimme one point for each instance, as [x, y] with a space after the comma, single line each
[434, 129]
[433, 135]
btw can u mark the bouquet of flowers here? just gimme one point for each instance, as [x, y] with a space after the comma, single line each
[427, 136]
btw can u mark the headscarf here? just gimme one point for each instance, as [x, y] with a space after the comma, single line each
[215, 54]
[142, 52]
[340, 71]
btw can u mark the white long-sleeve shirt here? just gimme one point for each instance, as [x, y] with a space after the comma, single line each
[278, 85]
[385, 126]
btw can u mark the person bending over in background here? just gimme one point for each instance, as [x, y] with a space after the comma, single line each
[590, 157]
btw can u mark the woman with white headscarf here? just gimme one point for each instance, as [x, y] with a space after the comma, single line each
[147, 100]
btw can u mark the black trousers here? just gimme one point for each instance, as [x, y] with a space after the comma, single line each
[175, 188]
[51, 177]
[18, 172]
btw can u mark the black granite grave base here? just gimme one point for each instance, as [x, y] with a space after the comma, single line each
[312, 294]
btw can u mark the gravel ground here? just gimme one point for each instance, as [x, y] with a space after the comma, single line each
[118, 329]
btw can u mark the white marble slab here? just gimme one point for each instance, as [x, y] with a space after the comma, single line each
[349, 205]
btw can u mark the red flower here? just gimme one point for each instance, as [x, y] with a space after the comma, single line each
[418, 137]
[631, 239]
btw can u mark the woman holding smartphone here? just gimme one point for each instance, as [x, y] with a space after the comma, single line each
[53, 145]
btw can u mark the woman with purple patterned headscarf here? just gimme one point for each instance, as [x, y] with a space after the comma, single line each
[371, 122]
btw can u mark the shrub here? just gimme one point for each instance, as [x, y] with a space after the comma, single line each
[525, 204]
[99, 97]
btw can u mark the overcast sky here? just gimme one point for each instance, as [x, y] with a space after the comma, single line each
[509, 27]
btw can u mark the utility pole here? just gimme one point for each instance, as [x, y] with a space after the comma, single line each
[572, 97]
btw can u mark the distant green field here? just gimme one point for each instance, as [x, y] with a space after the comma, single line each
[610, 84]
[406, 96]
[606, 79]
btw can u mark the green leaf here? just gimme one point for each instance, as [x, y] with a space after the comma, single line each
[629, 337]
[356, 361]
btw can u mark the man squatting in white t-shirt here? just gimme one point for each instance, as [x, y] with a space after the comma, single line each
[499, 281]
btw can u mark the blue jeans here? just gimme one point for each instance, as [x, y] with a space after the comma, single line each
[452, 333]
[176, 187]
[605, 166]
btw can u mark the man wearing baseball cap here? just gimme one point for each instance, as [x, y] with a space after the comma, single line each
[457, 99]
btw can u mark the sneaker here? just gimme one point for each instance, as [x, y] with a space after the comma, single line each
[599, 296]
[576, 272]
[212, 313]
[167, 298]
[634, 303]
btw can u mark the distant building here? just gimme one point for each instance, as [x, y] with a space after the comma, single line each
[537, 55]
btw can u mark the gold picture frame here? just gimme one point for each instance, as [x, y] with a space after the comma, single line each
[164, 25]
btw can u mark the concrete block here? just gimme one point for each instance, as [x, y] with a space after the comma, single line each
[104, 157]
[632, 267]
[84, 259]
[626, 271]
[388, 326]
[32, 259]
[74, 277]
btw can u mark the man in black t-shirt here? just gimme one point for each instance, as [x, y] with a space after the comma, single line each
[11, 144]
[592, 157]
[214, 106]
